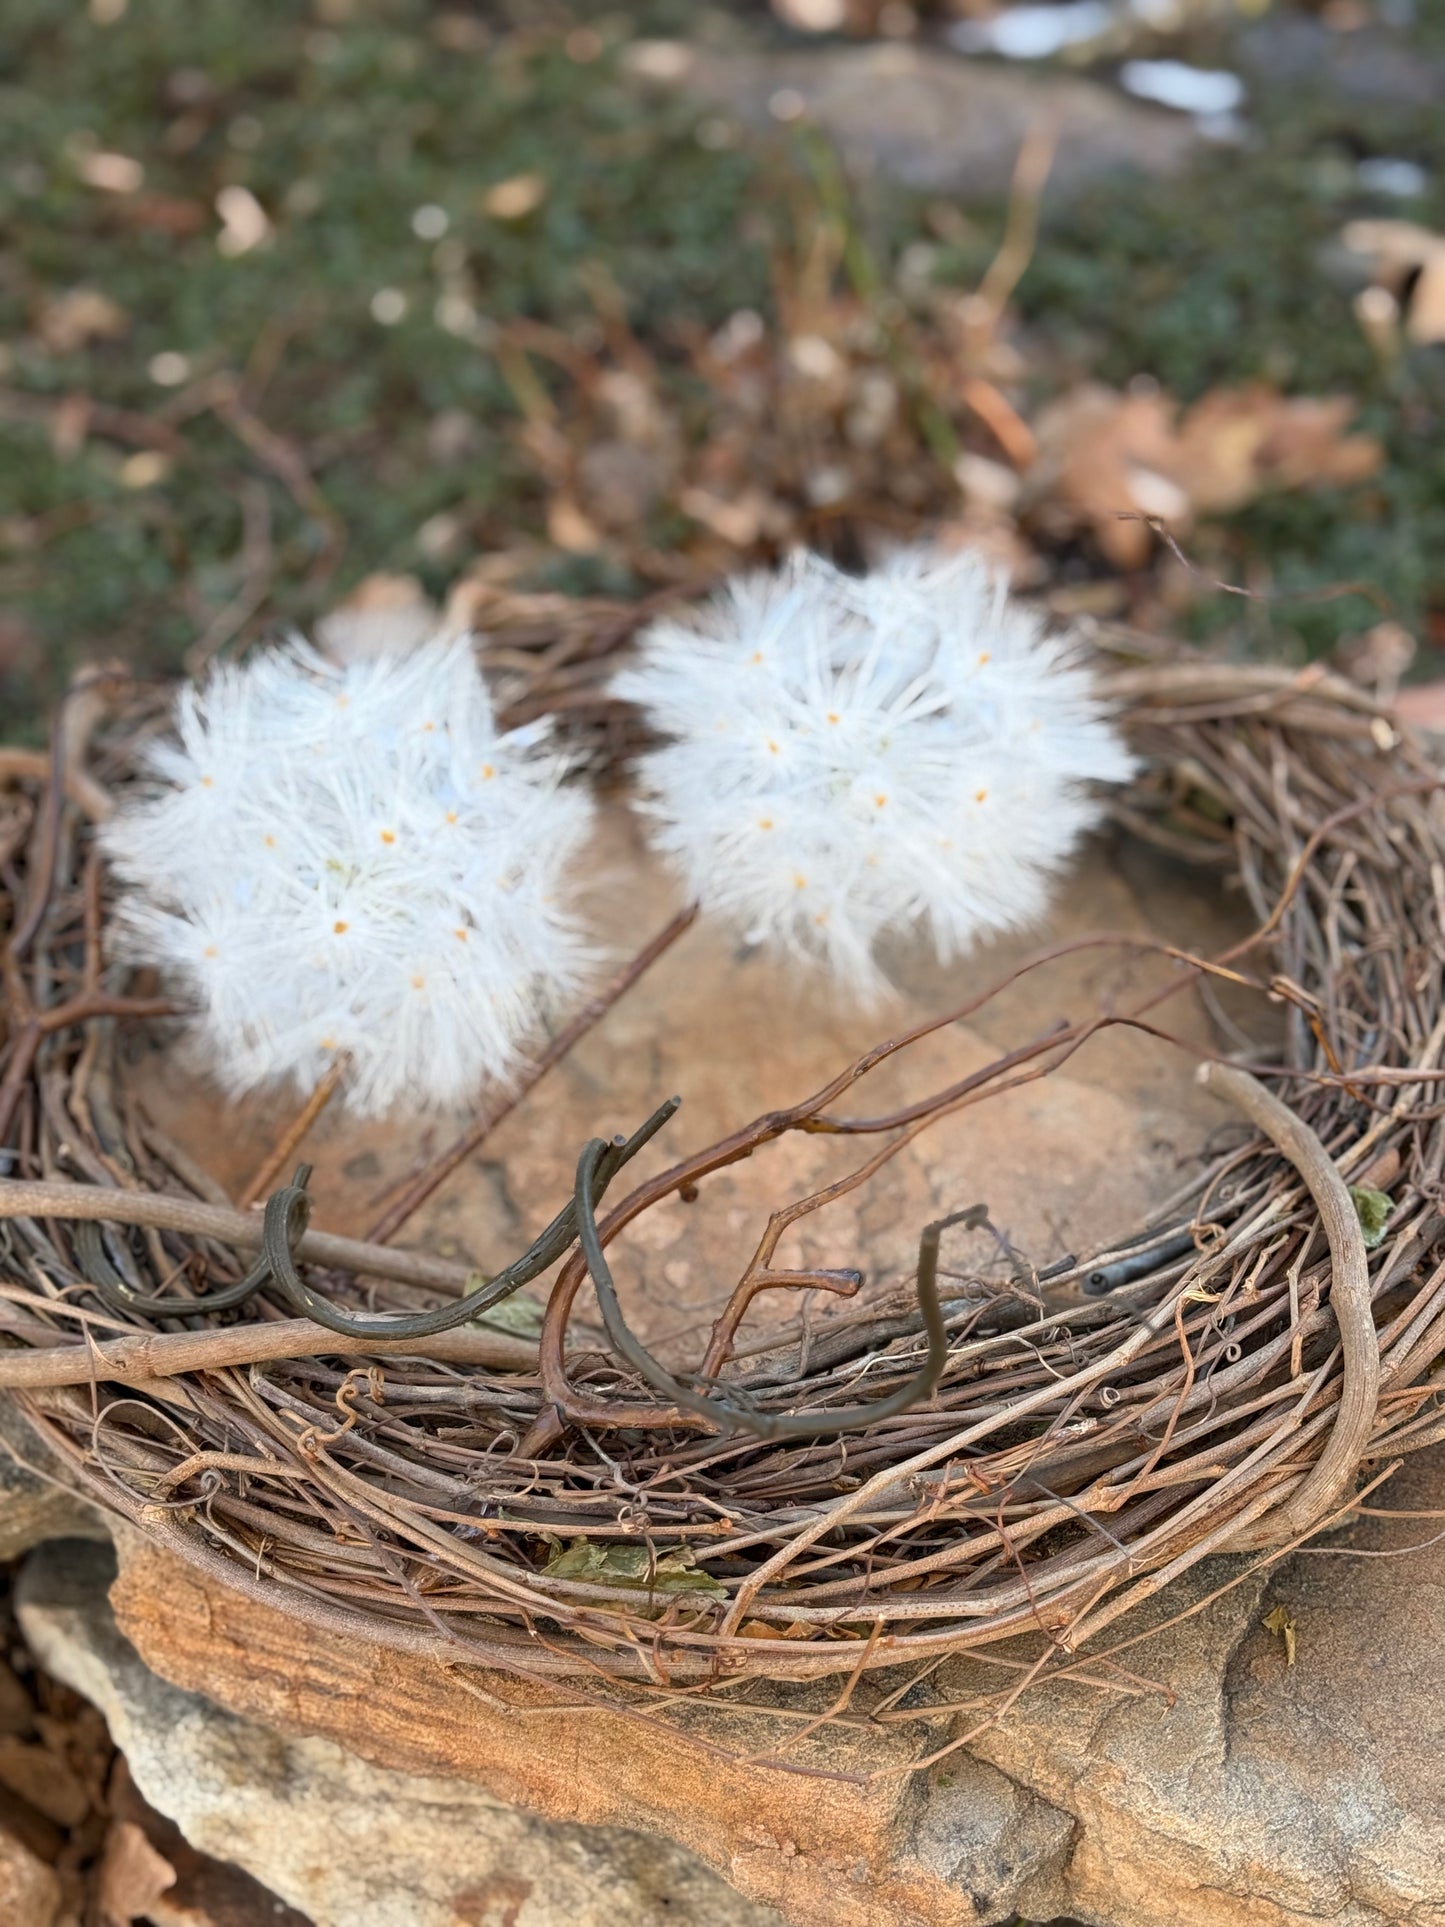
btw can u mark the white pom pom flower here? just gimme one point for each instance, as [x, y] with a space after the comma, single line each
[846, 757]
[355, 860]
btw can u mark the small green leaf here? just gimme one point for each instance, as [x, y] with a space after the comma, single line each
[1373, 1209]
[675, 1570]
[521, 1316]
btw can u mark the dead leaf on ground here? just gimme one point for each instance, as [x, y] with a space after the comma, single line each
[1100, 453]
[81, 315]
[1106, 455]
[383, 615]
[171, 214]
[44, 1779]
[514, 199]
[1408, 261]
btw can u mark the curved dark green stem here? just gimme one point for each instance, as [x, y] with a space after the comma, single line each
[287, 1212]
[731, 1417]
[288, 1209]
[112, 1289]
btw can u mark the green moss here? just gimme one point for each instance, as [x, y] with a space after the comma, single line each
[341, 133]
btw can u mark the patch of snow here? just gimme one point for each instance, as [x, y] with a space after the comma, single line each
[1034, 33]
[1191, 90]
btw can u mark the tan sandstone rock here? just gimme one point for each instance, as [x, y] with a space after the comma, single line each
[1201, 1781]
[348, 1843]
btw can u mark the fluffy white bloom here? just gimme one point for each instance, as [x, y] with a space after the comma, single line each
[354, 859]
[846, 757]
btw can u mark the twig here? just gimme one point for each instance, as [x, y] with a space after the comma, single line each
[167, 1354]
[293, 1136]
[243, 1229]
[440, 1169]
[258, 562]
[33, 766]
[1349, 1293]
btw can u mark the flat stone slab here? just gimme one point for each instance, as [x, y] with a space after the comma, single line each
[929, 120]
[1201, 1780]
[349, 1843]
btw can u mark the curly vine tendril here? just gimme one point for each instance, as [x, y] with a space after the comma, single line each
[287, 1213]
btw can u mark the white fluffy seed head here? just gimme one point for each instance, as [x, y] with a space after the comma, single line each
[846, 757]
[354, 860]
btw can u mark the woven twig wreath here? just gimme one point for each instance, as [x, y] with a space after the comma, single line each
[1226, 1380]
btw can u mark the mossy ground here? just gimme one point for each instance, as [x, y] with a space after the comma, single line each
[343, 127]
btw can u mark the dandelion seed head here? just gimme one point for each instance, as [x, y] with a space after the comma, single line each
[848, 757]
[310, 844]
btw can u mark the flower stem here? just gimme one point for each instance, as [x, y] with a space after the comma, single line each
[440, 1169]
[278, 1159]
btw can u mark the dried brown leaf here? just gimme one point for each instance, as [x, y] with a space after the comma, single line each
[78, 317]
[1282, 1623]
[1105, 454]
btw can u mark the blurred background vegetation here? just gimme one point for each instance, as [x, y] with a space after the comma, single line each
[554, 298]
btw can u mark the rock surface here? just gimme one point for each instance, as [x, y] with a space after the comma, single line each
[195, 1889]
[1199, 1779]
[932, 121]
[29, 1891]
[1296, 50]
[350, 1844]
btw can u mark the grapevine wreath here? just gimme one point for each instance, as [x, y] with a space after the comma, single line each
[274, 1403]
